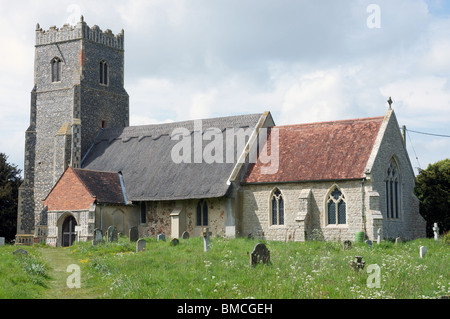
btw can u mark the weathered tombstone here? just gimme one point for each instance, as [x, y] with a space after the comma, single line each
[206, 235]
[112, 234]
[398, 240]
[161, 237]
[98, 237]
[185, 235]
[134, 233]
[20, 251]
[422, 251]
[260, 254]
[347, 245]
[436, 231]
[140, 245]
[368, 242]
[174, 241]
[378, 236]
[357, 264]
[2, 241]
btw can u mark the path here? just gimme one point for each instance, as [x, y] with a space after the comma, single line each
[59, 259]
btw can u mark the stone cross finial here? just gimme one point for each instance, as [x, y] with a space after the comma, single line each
[390, 102]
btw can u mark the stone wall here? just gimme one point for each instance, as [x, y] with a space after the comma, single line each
[159, 217]
[305, 207]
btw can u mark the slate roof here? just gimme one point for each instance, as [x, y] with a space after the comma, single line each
[143, 155]
[320, 151]
[105, 186]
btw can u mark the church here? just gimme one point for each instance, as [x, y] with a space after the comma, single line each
[86, 169]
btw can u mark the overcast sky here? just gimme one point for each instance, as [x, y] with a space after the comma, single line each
[304, 61]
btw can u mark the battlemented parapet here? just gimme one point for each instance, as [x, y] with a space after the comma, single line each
[77, 32]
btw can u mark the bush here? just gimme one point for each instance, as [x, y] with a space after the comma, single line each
[447, 238]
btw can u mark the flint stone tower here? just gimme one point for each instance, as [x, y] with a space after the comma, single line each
[78, 90]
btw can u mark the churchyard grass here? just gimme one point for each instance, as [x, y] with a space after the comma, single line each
[312, 269]
[22, 276]
[297, 270]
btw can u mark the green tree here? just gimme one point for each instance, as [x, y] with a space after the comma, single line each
[433, 191]
[10, 181]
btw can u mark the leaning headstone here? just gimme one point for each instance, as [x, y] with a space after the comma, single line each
[185, 235]
[174, 241]
[134, 234]
[357, 264]
[112, 234]
[140, 245]
[20, 251]
[260, 254]
[398, 240]
[436, 231]
[161, 237]
[368, 242]
[2, 241]
[347, 245]
[379, 236]
[422, 251]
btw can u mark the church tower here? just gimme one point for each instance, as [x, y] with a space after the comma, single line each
[78, 90]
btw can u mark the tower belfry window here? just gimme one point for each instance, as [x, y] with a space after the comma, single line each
[103, 73]
[56, 69]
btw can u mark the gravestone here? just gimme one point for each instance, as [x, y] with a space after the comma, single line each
[161, 237]
[112, 234]
[174, 241]
[436, 231]
[185, 235]
[368, 242]
[357, 264]
[20, 251]
[422, 251]
[347, 245]
[2, 241]
[134, 233]
[206, 235]
[98, 237]
[260, 254]
[378, 236]
[398, 240]
[140, 245]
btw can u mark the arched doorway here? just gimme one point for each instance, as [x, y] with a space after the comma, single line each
[68, 231]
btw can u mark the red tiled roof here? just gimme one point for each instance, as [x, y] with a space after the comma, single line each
[320, 151]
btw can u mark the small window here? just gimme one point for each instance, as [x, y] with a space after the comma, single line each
[277, 208]
[103, 124]
[336, 208]
[143, 213]
[103, 73]
[202, 213]
[56, 69]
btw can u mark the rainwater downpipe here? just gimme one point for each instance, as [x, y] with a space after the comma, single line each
[363, 204]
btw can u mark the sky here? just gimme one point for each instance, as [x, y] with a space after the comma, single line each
[302, 60]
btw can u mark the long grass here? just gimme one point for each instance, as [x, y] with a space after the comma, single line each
[297, 270]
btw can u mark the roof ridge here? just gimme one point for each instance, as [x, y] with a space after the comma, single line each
[332, 122]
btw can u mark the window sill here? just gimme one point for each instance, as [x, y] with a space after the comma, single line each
[337, 226]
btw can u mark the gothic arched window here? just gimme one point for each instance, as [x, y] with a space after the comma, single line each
[392, 184]
[336, 208]
[103, 72]
[202, 213]
[56, 69]
[277, 211]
